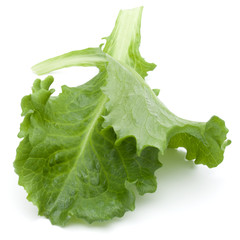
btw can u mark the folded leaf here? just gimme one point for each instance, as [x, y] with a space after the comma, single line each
[146, 118]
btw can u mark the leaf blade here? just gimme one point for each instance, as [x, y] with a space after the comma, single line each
[69, 166]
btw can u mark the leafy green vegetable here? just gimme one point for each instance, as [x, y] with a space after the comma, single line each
[82, 147]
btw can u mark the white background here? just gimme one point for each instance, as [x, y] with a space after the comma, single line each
[196, 46]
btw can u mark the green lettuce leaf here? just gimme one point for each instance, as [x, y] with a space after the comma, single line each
[69, 166]
[81, 148]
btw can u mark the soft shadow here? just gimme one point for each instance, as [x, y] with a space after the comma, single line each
[72, 223]
[174, 163]
[175, 167]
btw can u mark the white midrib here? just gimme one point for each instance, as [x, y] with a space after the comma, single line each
[97, 113]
